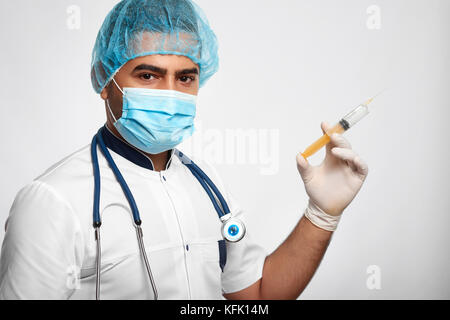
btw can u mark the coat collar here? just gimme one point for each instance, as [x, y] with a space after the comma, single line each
[128, 151]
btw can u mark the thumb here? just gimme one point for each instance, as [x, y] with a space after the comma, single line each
[304, 168]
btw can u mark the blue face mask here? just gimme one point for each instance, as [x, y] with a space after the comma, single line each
[155, 120]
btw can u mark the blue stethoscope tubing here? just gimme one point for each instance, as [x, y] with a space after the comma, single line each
[207, 184]
[98, 139]
[223, 210]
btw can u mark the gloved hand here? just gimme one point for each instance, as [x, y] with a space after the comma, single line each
[334, 183]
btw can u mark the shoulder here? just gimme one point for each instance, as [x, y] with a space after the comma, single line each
[77, 162]
[54, 191]
[70, 176]
[63, 172]
[37, 208]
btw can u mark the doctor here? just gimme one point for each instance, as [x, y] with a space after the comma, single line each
[149, 61]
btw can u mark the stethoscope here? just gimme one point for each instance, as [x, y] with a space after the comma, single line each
[233, 229]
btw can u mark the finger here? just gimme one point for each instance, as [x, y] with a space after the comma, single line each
[304, 168]
[361, 166]
[338, 140]
[325, 126]
[346, 155]
[354, 161]
[343, 153]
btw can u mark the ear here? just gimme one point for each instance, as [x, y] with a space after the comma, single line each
[104, 93]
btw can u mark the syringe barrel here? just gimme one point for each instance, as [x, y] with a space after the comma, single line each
[355, 115]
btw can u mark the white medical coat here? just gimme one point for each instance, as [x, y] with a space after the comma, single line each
[49, 249]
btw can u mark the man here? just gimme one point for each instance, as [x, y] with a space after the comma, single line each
[149, 61]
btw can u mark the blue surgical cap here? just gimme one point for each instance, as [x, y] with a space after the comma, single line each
[136, 28]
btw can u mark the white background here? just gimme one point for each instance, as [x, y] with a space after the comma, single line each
[285, 65]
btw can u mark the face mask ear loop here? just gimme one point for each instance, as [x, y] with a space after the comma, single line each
[107, 101]
[117, 85]
[110, 111]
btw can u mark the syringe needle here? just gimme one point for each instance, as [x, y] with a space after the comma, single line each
[371, 99]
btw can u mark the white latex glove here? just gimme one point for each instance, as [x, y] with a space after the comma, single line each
[334, 183]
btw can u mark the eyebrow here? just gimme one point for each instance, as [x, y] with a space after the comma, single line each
[186, 71]
[163, 71]
[150, 67]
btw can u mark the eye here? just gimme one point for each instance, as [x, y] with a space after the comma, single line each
[147, 76]
[187, 79]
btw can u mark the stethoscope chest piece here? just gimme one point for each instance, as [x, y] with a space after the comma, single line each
[233, 229]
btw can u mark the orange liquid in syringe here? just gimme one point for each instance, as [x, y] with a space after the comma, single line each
[322, 141]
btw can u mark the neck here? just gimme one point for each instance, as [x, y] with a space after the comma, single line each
[159, 160]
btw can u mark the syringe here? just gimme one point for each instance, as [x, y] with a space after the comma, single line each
[346, 123]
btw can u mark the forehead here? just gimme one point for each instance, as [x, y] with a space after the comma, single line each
[170, 62]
